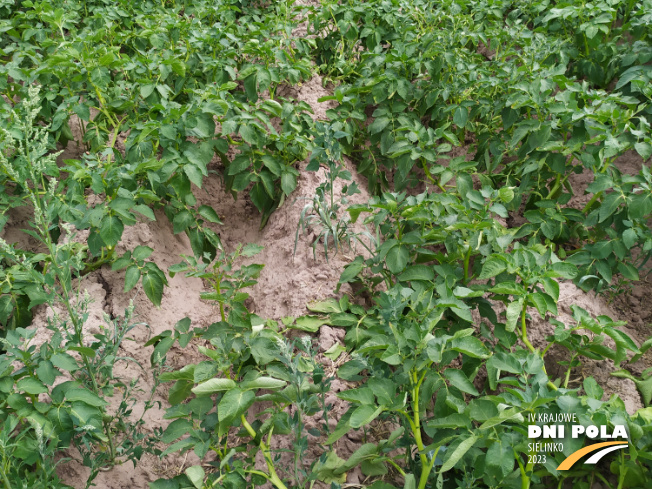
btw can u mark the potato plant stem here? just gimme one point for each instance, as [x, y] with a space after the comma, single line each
[623, 471]
[602, 478]
[467, 259]
[524, 330]
[219, 294]
[424, 165]
[525, 480]
[529, 345]
[90, 267]
[415, 425]
[258, 472]
[264, 447]
[397, 467]
[590, 203]
[568, 372]
[6, 480]
[555, 188]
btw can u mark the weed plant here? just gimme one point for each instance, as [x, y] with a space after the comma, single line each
[44, 415]
[323, 214]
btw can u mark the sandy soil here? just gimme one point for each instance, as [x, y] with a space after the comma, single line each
[287, 283]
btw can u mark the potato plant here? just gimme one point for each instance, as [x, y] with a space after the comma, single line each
[419, 360]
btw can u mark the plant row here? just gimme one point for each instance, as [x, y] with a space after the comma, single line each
[448, 282]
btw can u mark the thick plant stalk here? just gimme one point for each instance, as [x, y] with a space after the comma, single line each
[467, 260]
[530, 346]
[264, 447]
[415, 424]
[5, 480]
[525, 480]
[524, 330]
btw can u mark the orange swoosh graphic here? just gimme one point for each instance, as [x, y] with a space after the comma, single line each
[574, 457]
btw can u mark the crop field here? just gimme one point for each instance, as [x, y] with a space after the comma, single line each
[297, 244]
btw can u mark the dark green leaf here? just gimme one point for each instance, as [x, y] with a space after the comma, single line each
[111, 230]
[460, 116]
[213, 385]
[470, 346]
[459, 379]
[458, 453]
[513, 314]
[153, 287]
[592, 388]
[397, 258]
[234, 403]
[31, 386]
[288, 183]
[64, 361]
[131, 277]
[364, 415]
[492, 267]
[209, 214]
[181, 221]
[417, 272]
[176, 429]
[85, 396]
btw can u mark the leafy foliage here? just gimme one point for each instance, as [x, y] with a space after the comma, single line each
[489, 108]
[463, 393]
[247, 362]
